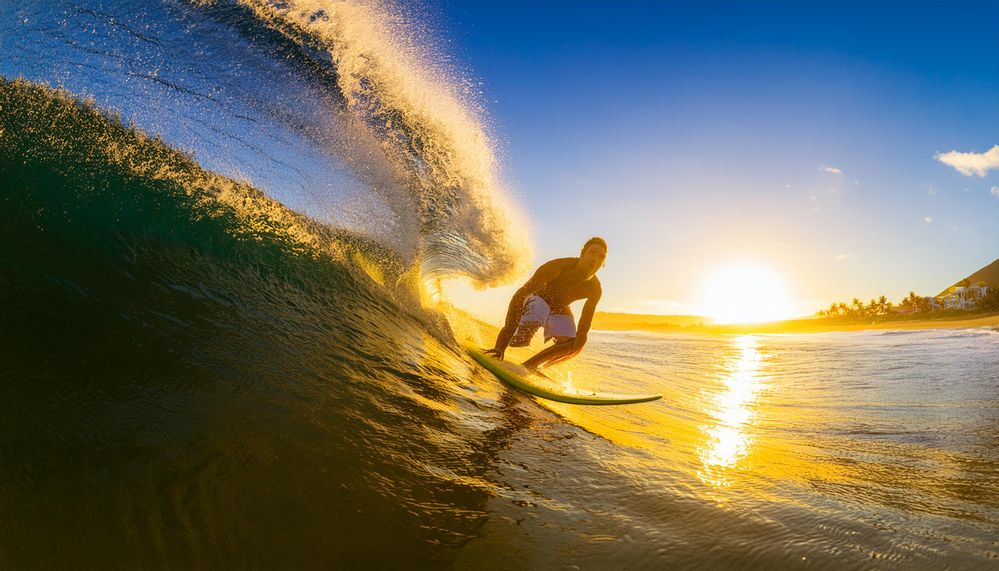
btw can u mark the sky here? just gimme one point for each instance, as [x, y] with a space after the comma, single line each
[805, 138]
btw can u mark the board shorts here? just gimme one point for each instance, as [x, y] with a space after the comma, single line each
[537, 314]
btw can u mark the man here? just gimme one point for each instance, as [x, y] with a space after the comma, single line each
[544, 302]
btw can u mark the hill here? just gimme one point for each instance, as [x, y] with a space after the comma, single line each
[989, 274]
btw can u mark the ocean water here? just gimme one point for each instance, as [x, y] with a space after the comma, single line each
[222, 345]
[830, 451]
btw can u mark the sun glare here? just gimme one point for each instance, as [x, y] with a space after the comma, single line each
[745, 293]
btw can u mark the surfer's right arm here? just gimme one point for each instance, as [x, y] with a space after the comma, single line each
[545, 273]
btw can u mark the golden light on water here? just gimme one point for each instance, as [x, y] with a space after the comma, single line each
[730, 437]
[745, 293]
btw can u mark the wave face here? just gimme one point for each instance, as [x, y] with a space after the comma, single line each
[215, 231]
[334, 109]
[189, 368]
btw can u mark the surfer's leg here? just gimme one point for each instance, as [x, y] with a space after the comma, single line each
[534, 315]
[559, 349]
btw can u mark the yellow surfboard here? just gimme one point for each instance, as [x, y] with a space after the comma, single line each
[541, 386]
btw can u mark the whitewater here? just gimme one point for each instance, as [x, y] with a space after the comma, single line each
[222, 342]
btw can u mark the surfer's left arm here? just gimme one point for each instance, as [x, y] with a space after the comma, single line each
[585, 320]
[570, 348]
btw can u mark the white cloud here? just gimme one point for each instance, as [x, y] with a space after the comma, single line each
[842, 257]
[995, 191]
[928, 220]
[832, 170]
[970, 164]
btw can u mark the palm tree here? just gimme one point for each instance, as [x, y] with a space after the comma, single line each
[924, 304]
[911, 302]
[991, 300]
[883, 305]
[872, 308]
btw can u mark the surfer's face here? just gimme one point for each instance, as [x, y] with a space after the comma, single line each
[592, 258]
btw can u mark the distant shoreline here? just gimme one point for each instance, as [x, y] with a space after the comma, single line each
[790, 326]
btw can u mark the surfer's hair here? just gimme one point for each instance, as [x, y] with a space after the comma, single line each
[594, 240]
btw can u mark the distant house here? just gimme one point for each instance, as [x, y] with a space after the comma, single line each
[925, 303]
[958, 297]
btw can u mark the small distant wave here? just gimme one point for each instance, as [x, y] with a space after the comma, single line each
[895, 332]
[940, 332]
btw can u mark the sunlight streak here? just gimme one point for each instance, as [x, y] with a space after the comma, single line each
[730, 438]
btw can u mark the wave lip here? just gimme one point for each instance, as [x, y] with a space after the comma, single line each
[433, 135]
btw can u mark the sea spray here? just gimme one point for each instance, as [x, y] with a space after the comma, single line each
[339, 111]
[435, 136]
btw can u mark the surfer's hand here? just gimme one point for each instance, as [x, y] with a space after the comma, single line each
[498, 353]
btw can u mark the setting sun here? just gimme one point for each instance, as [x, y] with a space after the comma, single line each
[745, 293]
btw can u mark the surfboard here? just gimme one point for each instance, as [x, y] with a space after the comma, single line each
[544, 387]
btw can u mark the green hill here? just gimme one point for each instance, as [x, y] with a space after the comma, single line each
[989, 274]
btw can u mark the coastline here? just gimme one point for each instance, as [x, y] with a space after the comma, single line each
[803, 326]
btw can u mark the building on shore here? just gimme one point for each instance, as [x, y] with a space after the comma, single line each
[961, 297]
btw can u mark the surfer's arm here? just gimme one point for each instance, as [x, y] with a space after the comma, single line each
[569, 349]
[585, 321]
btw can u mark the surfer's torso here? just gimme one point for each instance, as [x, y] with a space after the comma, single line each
[566, 284]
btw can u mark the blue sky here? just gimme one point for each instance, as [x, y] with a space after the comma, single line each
[797, 136]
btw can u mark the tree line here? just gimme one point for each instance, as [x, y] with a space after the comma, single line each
[909, 305]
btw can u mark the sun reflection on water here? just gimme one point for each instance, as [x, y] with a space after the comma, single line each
[729, 437]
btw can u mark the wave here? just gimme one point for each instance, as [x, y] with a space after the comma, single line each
[214, 363]
[468, 227]
[216, 238]
[334, 109]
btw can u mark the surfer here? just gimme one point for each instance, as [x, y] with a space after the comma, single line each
[544, 302]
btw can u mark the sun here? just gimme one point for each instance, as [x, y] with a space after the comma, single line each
[745, 293]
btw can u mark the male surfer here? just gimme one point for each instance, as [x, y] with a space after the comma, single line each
[544, 302]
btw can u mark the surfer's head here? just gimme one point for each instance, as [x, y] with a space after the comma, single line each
[593, 254]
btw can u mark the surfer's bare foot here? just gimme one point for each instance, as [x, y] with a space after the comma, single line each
[495, 353]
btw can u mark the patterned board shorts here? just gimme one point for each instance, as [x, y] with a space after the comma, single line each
[537, 314]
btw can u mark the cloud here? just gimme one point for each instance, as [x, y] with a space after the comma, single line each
[928, 220]
[842, 257]
[970, 164]
[995, 191]
[832, 170]
[961, 229]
